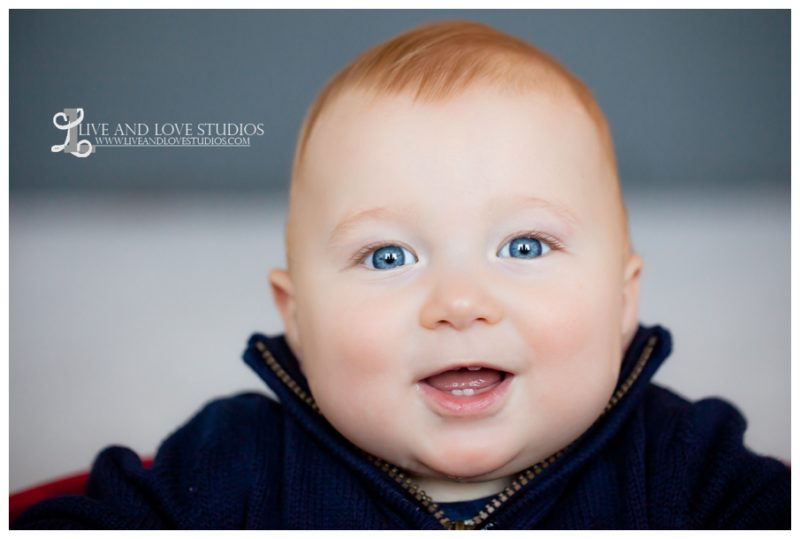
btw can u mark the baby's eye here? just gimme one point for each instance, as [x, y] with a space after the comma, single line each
[389, 257]
[524, 247]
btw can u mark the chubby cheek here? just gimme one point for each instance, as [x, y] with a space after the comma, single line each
[355, 362]
[358, 334]
[556, 321]
[569, 332]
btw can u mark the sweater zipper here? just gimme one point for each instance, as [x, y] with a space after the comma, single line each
[526, 476]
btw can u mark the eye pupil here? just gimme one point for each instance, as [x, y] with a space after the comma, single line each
[388, 257]
[526, 247]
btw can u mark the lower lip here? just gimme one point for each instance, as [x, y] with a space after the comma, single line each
[483, 403]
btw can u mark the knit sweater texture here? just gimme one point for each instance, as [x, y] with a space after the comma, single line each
[652, 460]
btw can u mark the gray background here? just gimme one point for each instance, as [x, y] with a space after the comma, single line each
[137, 274]
[695, 98]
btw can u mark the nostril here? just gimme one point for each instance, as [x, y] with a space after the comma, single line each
[459, 311]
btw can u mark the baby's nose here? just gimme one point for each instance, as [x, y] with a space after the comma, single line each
[458, 301]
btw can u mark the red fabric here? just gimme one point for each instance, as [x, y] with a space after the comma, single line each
[71, 485]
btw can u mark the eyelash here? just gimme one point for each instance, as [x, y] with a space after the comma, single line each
[367, 249]
[552, 242]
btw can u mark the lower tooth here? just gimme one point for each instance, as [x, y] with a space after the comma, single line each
[460, 392]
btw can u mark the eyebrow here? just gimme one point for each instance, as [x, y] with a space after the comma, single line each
[516, 203]
[511, 203]
[378, 212]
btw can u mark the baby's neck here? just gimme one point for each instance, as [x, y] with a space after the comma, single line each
[447, 490]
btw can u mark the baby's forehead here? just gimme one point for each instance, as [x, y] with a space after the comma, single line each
[393, 148]
[523, 79]
[361, 124]
[370, 151]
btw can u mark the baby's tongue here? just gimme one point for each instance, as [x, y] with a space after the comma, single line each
[464, 379]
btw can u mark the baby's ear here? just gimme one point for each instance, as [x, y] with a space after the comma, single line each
[283, 294]
[630, 299]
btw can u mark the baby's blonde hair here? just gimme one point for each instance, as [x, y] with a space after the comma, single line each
[438, 60]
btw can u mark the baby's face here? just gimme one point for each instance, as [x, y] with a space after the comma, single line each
[480, 232]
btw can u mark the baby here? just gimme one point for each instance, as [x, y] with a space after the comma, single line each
[462, 346]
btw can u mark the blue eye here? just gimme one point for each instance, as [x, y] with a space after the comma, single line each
[524, 247]
[389, 257]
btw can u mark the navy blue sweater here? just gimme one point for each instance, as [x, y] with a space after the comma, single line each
[652, 460]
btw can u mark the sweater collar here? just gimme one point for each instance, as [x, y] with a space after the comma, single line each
[272, 359]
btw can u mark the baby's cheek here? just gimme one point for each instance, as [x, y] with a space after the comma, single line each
[356, 350]
[357, 381]
[568, 339]
[556, 322]
[365, 339]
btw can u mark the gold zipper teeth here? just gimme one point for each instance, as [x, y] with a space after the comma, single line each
[412, 488]
[284, 376]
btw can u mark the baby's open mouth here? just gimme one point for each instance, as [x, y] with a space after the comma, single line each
[466, 381]
[469, 390]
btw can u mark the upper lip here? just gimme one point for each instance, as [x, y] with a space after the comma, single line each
[462, 365]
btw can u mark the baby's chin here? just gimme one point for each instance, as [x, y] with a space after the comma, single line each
[469, 466]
